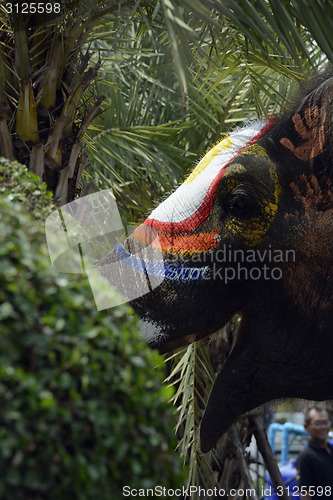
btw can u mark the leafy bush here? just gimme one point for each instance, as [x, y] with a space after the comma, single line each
[21, 186]
[83, 408]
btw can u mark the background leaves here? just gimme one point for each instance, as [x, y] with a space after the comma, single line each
[179, 74]
[83, 409]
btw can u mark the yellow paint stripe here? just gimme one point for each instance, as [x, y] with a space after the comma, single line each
[224, 144]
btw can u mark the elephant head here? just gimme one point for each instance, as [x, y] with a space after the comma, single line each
[250, 231]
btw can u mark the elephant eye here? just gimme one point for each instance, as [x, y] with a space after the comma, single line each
[238, 205]
[241, 205]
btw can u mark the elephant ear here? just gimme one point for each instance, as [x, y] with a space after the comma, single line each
[307, 133]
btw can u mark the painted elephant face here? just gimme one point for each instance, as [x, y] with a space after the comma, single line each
[228, 202]
[250, 231]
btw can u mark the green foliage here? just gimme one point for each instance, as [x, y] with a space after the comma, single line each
[193, 375]
[83, 409]
[139, 141]
[24, 187]
[177, 75]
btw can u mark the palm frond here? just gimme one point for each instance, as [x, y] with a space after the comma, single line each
[192, 374]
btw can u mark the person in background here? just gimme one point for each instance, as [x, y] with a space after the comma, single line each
[315, 463]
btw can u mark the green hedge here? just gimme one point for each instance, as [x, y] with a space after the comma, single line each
[18, 185]
[83, 408]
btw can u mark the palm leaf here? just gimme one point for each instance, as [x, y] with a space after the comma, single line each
[192, 374]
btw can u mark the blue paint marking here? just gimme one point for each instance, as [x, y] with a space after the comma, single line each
[173, 272]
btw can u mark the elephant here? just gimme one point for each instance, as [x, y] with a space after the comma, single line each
[250, 232]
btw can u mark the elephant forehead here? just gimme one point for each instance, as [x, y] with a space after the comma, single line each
[188, 206]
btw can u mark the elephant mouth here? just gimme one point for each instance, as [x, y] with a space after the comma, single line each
[177, 343]
[238, 330]
[164, 342]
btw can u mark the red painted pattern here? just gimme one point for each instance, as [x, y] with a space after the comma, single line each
[181, 243]
[205, 208]
[188, 243]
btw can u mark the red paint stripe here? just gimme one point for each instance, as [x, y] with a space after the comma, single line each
[185, 243]
[205, 208]
[188, 243]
